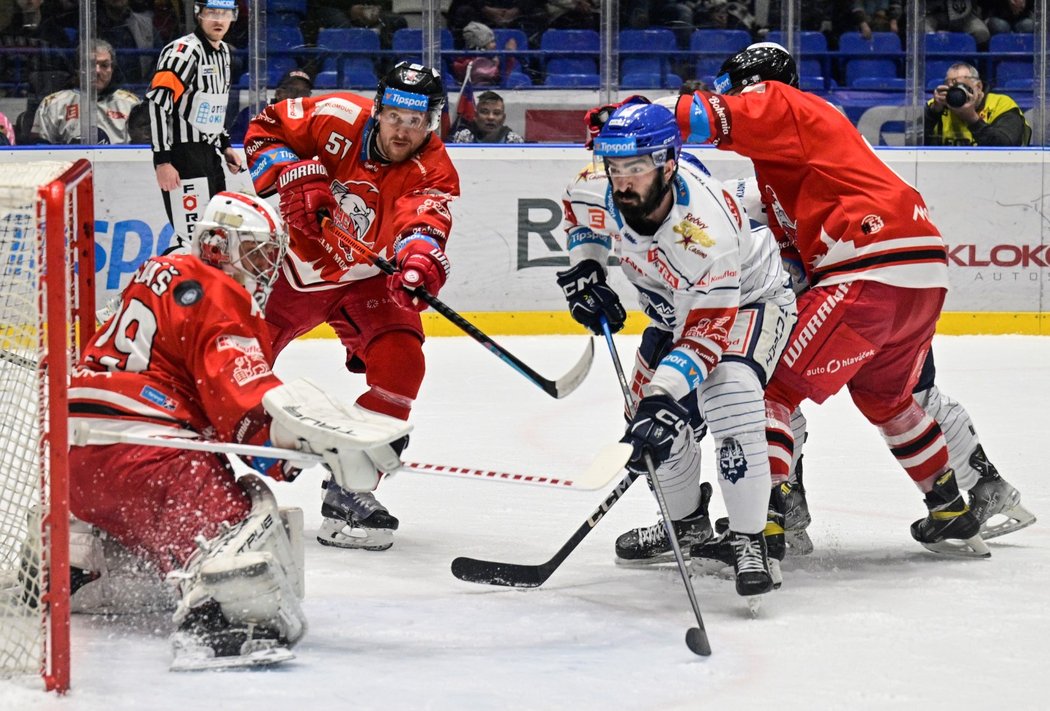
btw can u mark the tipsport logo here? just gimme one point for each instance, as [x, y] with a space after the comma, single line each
[405, 100]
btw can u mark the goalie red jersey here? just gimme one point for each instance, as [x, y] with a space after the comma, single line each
[827, 193]
[380, 201]
[187, 352]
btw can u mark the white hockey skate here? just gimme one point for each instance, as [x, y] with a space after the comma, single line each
[355, 520]
[206, 642]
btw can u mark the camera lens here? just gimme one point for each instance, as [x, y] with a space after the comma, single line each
[957, 96]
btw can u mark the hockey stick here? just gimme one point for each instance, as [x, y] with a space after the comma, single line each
[595, 477]
[695, 637]
[518, 575]
[555, 388]
[18, 360]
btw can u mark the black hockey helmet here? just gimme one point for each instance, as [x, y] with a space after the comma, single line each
[763, 61]
[228, 5]
[414, 87]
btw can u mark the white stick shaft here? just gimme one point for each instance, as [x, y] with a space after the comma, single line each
[596, 476]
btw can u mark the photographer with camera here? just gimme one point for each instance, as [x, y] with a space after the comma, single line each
[962, 114]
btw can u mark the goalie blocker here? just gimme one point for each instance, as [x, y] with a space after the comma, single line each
[356, 444]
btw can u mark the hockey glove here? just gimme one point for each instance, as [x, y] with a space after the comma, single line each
[422, 263]
[657, 422]
[596, 118]
[590, 297]
[306, 193]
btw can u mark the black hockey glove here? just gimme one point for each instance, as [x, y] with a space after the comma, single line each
[655, 426]
[590, 297]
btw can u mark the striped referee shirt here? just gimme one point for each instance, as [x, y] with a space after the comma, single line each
[188, 95]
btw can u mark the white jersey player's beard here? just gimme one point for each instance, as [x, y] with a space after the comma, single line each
[637, 216]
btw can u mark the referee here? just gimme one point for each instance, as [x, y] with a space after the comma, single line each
[187, 100]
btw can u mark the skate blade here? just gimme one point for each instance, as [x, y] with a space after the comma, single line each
[1017, 518]
[259, 658]
[754, 604]
[973, 547]
[798, 542]
[369, 539]
[662, 558]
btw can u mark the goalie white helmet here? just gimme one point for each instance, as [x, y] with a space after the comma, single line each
[245, 237]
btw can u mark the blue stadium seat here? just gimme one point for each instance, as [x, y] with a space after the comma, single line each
[516, 80]
[721, 43]
[943, 49]
[296, 6]
[880, 47]
[589, 81]
[646, 41]
[1012, 69]
[283, 37]
[650, 80]
[813, 47]
[408, 44]
[277, 67]
[524, 64]
[1020, 84]
[881, 83]
[343, 39]
[556, 41]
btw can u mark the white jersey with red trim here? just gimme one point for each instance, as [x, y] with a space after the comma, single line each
[828, 194]
[692, 276]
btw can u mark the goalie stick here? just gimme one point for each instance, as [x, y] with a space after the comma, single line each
[555, 388]
[594, 477]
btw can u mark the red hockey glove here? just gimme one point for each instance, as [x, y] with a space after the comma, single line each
[596, 118]
[305, 191]
[422, 264]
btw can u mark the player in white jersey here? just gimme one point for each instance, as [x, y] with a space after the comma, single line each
[720, 310]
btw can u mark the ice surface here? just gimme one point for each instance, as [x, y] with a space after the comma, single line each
[870, 620]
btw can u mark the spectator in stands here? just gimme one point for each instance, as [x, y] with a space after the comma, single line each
[124, 28]
[525, 15]
[138, 125]
[28, 28]
[722, 15]
[295, 84]
[57, 119]
[1009, 16]
[962, 114]
[488, 125]
[691, 86]
[956, 16]
[572, 15]
[875, 16]
[377, 15]
[7, 132]
[485, 70]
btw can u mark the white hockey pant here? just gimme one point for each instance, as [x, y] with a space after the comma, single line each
[732, 403]
[253, 570]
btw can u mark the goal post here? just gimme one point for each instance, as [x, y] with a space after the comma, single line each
[47, 311]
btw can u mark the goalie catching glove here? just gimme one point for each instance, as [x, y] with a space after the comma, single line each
[590, 297]
[355, 443]
[422, 264]
[306, 193]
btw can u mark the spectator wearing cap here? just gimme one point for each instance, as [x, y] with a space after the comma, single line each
[485, 70]
[488, 124]
[295, 84]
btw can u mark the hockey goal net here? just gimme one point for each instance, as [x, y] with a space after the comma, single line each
[46, 309]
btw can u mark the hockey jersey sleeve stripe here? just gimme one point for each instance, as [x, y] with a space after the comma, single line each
[579, 237]
[170, 81]
[694, 120]
[679, 373]
[273, 159]
[904, 257]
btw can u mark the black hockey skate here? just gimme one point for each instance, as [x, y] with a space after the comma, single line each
[991, 496]
[206, 640]
[649, 545]
[950, 528]
[796, 514]
[717, 555]
[355, 520]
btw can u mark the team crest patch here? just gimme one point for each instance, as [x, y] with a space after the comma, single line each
[245, 344]
[188, 292]
[732, 464]
[871, 224]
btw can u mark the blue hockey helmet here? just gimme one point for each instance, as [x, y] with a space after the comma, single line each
[638, 129]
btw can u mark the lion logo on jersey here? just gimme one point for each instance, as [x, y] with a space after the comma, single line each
[357, 199]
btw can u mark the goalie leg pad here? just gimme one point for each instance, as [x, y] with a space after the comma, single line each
[354, 442]
[250, 571]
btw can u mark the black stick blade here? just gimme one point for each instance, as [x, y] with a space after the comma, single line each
[696, 640]
[487, 572]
